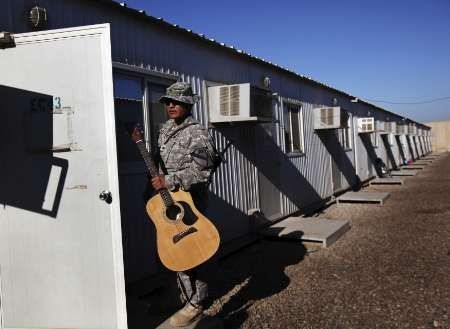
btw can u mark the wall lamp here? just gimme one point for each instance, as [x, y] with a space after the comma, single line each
[38, 17]
[7, 40]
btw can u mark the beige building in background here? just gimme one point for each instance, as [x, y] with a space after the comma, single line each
[440, 135]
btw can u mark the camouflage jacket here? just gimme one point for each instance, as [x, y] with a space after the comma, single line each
[187, 152]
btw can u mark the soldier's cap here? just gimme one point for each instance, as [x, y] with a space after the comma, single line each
[179, 92]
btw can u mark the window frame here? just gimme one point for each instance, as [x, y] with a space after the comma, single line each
[345, 134]
[147, 77]
[287, 105]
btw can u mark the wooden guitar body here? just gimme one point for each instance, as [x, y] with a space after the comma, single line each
[185, 237]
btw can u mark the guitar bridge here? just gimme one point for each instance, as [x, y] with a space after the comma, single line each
[181, 235]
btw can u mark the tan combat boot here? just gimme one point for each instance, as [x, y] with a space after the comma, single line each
[184, 317]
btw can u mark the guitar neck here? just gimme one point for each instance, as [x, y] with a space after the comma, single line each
[153, 170]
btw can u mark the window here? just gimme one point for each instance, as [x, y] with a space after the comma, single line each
[345, 133]
[128, 103]
[293, 128]
[157, 112]
[136, 95]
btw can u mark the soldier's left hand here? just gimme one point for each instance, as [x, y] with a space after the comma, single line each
[158, 182]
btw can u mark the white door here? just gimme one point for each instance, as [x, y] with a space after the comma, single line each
[60, 245]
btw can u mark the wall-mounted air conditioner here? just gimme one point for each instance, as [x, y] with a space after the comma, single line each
[391, 127]
[241, 102]
[366, 125]
[381, 127]
[412, 129]
[330, 118]
[402, 129]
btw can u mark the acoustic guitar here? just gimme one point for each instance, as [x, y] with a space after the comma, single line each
[185, 237]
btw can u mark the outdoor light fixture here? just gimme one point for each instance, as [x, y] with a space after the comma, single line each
[354, 100]
[335, 101]
[7, 40]
[38, 17]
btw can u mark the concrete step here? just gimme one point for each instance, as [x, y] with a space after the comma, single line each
[403, 173]
[204, 323]
[363, 197]
[325, 231]
[412, 167]
[387, 181]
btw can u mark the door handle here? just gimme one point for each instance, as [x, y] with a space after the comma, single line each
[106, 196]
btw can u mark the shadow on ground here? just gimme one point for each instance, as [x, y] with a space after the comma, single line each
[254, 274]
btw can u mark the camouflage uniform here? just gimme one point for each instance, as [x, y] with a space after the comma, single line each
[188, 154]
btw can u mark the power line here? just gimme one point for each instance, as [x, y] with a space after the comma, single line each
[409, 103]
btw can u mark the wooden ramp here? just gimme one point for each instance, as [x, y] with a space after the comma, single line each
[386, 181]
[363, 197]
[325, 231]
[403, 173]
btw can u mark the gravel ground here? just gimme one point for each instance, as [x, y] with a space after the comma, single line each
[391, 270]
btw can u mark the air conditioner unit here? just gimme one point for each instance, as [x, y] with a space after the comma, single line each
[241, 102]
[402, 129]
[366, 125]
[330, 118]
[381, 127]
[412, 129]
[391, 127]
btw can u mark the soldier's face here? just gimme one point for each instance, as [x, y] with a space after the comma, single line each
[176, 110]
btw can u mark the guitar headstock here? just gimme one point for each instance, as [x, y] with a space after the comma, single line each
[136, 134]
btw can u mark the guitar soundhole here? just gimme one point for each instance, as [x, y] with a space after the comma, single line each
[189, 217]
[173, 212]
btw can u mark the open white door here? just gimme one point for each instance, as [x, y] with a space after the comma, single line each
[61, 260]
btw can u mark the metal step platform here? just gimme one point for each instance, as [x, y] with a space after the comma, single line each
[363, 197]
[403, 173]
[324, 231]
[386, 181]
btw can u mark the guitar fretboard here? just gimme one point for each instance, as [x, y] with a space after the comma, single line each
[165, 195]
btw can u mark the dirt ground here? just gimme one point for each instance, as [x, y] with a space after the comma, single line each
[391, 270]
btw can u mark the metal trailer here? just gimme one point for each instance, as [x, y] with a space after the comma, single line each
[147, 54]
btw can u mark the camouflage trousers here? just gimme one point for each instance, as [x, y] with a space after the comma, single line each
[193, 287]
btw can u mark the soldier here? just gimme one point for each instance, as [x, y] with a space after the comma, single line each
[188, 158]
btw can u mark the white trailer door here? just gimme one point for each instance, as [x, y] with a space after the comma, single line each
[60, 245]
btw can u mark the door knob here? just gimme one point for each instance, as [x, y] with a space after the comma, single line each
[106, 196]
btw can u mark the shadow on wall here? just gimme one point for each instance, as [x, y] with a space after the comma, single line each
[411, 150]
[365, 138]
[344, 165]
[389, 152]
[31, 177]
[422, 148]
[401, 150]
[262, 151]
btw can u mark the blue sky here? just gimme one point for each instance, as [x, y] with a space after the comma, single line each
[397, 51]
